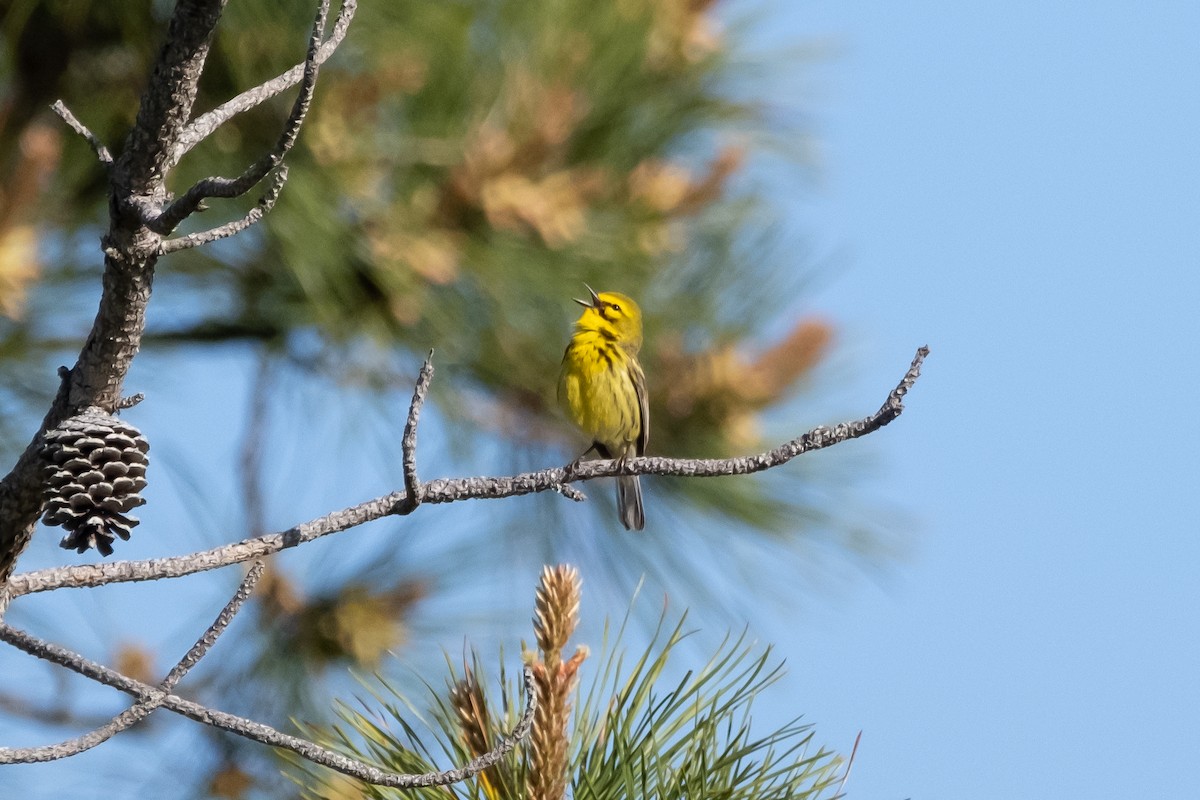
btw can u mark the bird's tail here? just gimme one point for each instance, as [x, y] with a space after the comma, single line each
[629, 502]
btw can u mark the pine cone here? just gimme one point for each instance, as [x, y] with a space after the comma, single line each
[95, 469]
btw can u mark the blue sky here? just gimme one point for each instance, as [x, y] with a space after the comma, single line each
[1017, 185]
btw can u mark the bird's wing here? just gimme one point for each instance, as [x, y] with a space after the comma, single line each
[639, 386]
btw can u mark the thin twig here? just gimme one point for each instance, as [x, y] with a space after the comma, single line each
[450, 490]
[260, 210]
[570, 492]
[127, 403]
[147, 702]
[265, 734]
[204, 125]
[408, 442]
[190, 201]
[97, 146]
[205, 642]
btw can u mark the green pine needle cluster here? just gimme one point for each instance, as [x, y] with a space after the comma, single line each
[638, 731]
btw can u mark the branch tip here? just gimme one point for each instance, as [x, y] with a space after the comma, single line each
[131, 401]
[408, 442]
[570, 492]
[102, 153]
[895, 401]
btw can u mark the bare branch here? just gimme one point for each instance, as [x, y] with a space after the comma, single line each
[135, 182]
[168, 100]
[97, 146]
[265, 734]
[83, 575]
[189, 203]
[210, 636]
[264, 206]
[149, 702]
[450, 490]
[408, 442]
[204, 125]
[133, 242]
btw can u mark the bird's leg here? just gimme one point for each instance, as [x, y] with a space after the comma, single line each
[574, 465]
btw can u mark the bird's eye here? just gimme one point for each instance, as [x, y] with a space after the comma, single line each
[615, 307]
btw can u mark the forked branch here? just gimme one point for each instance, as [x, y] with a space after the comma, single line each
[142, 214]
[190, 201]
[265, 734]
[263, 207]
[450, 490]
[147, 703]
[206, 124]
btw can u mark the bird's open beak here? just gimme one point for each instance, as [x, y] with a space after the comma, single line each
[593, 303]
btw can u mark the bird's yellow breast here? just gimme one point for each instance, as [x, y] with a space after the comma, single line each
[597, 392]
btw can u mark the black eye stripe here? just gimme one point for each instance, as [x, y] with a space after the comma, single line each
[608, 309]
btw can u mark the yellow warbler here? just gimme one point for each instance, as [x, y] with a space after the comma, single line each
[603, 391]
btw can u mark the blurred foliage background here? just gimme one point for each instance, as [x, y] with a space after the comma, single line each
[467, 166]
